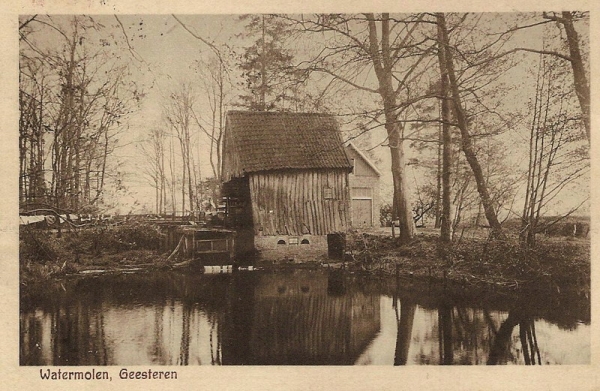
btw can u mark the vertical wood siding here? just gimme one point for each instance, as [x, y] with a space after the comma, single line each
[294, 203]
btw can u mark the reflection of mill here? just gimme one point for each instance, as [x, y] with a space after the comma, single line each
[303, 319]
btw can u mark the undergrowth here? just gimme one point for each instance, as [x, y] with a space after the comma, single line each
[558, 262]
[43, 254]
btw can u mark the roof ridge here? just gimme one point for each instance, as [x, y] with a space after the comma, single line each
[278, 113]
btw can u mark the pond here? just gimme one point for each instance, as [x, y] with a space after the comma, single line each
[299, 317]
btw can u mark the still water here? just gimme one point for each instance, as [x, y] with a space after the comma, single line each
[299, 317]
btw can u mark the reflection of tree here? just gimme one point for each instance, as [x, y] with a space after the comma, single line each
[78, 336]
[456, 335]
[529, 342]
[472, 332]
[101, 338]
[405, 323]
[184, 350]
[31, 335]
[445, 335]
[215, 351]
[158, 350]
[500, 349]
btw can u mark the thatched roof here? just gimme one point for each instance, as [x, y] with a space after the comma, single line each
[266, 141]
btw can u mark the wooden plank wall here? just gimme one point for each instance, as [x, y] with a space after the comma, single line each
[293, 202]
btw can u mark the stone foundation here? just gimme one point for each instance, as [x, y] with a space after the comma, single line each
[301, 248]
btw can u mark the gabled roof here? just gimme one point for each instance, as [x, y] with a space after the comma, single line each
[263, 141]
[364, 157]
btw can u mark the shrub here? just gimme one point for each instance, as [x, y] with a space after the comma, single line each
[131, 236]
[385, 215]
[138, 236]
[38, 246]
[42, 246]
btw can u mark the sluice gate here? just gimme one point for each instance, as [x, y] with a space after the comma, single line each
[202, 246]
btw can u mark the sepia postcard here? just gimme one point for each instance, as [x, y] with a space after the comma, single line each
[305, 195]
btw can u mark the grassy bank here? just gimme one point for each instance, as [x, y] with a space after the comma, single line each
[555, 262]
[44, 255]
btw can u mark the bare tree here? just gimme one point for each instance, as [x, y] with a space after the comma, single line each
[446, 220]
[216, 87]
[582, 87]
[81, 98]
[154, 150]
[32, 89]
[556, 156]
[566, 20]
[178, 112]
[466, 139]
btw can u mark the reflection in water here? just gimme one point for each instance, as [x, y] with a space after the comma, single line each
[295, 318]
[445, 335]
[404, 321]
[297, 321]
[453, 335]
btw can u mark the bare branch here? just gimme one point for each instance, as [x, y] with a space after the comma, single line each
[345, 80]
[131, 49]
[549, 52]
[22, 25]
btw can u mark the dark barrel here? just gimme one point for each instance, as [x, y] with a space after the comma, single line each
[336, 245]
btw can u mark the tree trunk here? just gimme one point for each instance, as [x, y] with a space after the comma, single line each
[446, 220]
[402, 202]
[40, 189]
[263, 71]
[190, 165]
[100, 186]
[438, 193]
[382, 63]
[467, 143]
[161, 170]
[22, 150]
[183, 183]
[582, 88]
